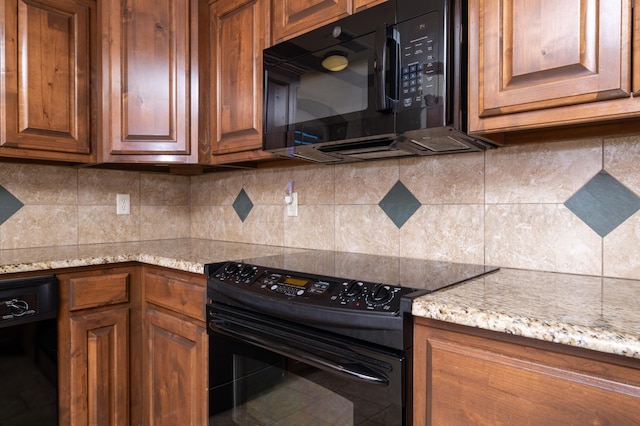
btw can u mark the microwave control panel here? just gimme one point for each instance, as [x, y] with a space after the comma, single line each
[421, 65]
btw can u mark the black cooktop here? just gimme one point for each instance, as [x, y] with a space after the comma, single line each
[424, 276]
[362, 296]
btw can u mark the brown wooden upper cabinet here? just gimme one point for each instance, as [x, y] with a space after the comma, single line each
[46, 72]
[294, 17]
[149, 107]
[238, 32]
[549, 64]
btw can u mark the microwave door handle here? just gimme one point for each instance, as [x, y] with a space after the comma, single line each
[386, 37]
[352, 370]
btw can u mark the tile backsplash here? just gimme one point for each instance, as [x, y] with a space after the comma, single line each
[564, 207]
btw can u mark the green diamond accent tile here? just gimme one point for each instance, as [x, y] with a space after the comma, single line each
[603, 203]
[9, 205]
[399, 204]
[242, 205]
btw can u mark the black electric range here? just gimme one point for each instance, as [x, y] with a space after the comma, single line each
[362, 296]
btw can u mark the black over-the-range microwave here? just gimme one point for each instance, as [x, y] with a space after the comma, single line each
[389, 81]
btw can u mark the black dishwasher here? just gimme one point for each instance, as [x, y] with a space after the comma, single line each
[28, 351]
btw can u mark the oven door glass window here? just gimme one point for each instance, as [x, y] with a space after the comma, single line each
[255, 386]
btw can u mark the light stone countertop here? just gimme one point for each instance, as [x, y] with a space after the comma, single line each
[596, 313]
[188, 255]
[589, 312]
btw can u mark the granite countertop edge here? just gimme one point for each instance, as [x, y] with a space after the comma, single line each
[190, 255]
[596, 339]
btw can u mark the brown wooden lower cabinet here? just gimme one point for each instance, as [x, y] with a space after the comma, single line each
[174, 361]
[95, 314]
[466, 376]
[132, 347]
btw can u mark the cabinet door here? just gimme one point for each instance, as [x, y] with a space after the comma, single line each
[542, 62]
[46, 64]
[99, 308]
[149, 54]
[294, 17]
[463, 379]
[100, 367]
[175, 370]
[239, 31]
[363, 4]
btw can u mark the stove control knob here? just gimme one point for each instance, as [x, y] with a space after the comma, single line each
[381, 294]
[231, 269]
[354, 289]
[247, 272]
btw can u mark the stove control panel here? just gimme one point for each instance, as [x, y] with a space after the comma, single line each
[310, 289]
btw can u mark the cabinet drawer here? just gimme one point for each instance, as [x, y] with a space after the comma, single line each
[179, 294]
[93, 291]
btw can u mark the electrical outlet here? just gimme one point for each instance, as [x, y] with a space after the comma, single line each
[292, 207]
[123, 204]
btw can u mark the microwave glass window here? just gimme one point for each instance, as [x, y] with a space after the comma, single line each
[327, 94]
[307, 103]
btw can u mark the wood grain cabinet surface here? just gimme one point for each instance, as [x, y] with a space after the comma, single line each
[149, 108]
[175, 352]
[47, 74]
[97, 309]
[133, 347]
[544, 64]
[464, 376]
[295, 17]
[238, 32]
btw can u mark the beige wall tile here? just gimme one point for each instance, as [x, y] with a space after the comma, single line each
[622, 161]
[313, 228]
[35, 184]
[225, 188]
[314, 184]
[265, 225]
[164, 190]
[100, 224]
[621, 257]
[40, 226]
[545, 173]
[200, 188]
[452, 233]
[366, 229]
[164, 222]
[264, 186]
[365, 183]
[99, 187]
[544, 237]
[201, 218]
[445, 179]
[225, 225]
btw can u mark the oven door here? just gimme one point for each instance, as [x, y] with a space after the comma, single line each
[266, 371]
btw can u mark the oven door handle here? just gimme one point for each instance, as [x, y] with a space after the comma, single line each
[351, 369]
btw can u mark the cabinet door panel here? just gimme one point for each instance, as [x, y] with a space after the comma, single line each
[44, 86]
[543, 53]
[462, 379]
[148, 50]
[292, 17]
[239, 32]
[99, 373]
[176, 370]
